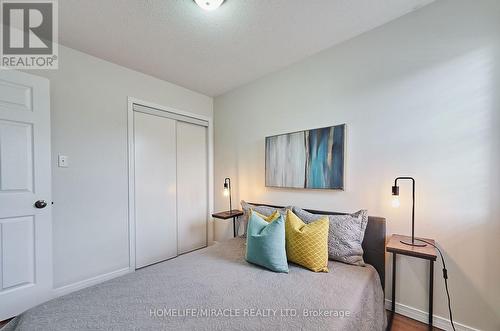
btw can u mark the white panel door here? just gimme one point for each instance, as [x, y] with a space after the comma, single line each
[192, 186]
[25, 178]
[155, 189]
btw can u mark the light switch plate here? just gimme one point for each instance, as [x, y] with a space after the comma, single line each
[62, 161]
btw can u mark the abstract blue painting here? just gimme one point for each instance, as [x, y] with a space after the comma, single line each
[311, 159]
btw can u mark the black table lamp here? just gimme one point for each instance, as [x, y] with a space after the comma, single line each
[227, 191]
[395, 203]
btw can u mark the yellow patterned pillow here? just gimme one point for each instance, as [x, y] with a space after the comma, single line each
[270, 218]
[307, 244]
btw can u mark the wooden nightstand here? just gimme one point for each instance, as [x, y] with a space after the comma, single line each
[224, 215]
[428, 252]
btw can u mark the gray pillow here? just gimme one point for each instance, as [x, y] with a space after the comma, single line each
[263, 210]
[345, 234]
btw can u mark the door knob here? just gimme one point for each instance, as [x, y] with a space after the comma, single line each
[40, 204]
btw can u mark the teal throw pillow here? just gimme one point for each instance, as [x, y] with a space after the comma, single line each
[266, 243]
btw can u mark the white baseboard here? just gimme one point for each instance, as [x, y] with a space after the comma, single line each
[422, 316]
[89, 282]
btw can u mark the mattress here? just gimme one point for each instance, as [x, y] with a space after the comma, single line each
[216, 289]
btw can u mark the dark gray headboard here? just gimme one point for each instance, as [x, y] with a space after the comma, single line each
[373, 242]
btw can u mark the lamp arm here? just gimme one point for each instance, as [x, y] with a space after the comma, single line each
[405, 177]
[230, 203]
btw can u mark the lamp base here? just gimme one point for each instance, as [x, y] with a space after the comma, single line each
[413, 243]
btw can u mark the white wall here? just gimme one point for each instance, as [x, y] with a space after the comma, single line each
[420, 97]
[89, 124]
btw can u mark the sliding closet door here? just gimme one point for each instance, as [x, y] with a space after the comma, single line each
[155, 188]
[192, 186]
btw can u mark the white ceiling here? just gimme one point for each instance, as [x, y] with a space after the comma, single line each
[214, 52]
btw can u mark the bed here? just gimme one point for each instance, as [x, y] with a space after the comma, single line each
[216, 289]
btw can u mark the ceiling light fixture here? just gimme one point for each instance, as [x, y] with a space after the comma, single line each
[209, 4]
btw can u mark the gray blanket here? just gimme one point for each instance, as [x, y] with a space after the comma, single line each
[216, 289]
